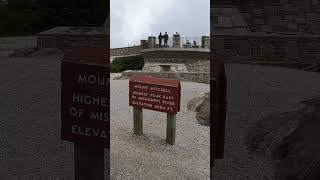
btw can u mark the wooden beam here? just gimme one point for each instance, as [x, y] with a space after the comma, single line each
[137, 121]
[89, 162]
[171, 129]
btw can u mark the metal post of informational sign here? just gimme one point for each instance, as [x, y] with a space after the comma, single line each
[85, 109]
[171, 129]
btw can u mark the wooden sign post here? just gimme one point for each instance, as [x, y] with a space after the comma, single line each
[171, 128]
[85, 109]
[156, 94]
[218, 110]
[137, 120]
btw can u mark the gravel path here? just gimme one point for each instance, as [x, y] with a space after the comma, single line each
[148, 157]
[30, 145]
[253, 93]
[115, 75]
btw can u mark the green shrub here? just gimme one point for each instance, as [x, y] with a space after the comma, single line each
[28, 17]
[127, 63]
[13, 23]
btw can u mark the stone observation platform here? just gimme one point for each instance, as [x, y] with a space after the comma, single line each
[175, 61]
[184, 58]
[201, 43]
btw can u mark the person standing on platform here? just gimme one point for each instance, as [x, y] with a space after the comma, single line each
[160, 39]
[165, 37]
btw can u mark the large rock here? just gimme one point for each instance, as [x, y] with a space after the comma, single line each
[34, 52]
[201, 105]
[46, 52]
[291, 138]
[24, 52]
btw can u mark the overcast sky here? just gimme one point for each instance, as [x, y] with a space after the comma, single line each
[133, 20]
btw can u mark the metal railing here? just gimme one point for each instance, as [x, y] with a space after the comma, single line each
[185, 42]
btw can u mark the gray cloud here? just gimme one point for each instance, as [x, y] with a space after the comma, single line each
[133, 20]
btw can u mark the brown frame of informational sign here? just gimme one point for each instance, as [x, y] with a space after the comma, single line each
[85, 108]
[85, 103]
[156, 94]
[218, 86]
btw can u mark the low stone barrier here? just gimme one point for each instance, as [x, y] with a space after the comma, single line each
[199, 77]
[66, 37]
[196, 60]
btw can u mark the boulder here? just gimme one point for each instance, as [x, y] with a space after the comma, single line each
[23, 52]
[34, 52]
[46, 52]
[201, 105]
[291, 139]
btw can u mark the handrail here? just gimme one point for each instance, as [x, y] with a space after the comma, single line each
[183, 42]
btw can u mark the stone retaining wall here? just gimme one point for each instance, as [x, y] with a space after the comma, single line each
[199, 77]
[259, 31]
[66, 37]
[179, 53]
[195, 60]
[268, 47]
[294, 16]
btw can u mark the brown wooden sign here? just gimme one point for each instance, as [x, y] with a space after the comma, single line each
[156, 94]
[85, 97]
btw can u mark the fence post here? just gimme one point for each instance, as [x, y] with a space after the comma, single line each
[151, 42]
[176, 41]
[205, 42]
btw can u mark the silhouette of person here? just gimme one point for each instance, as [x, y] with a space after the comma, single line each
[165, 37]
[160, 39]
